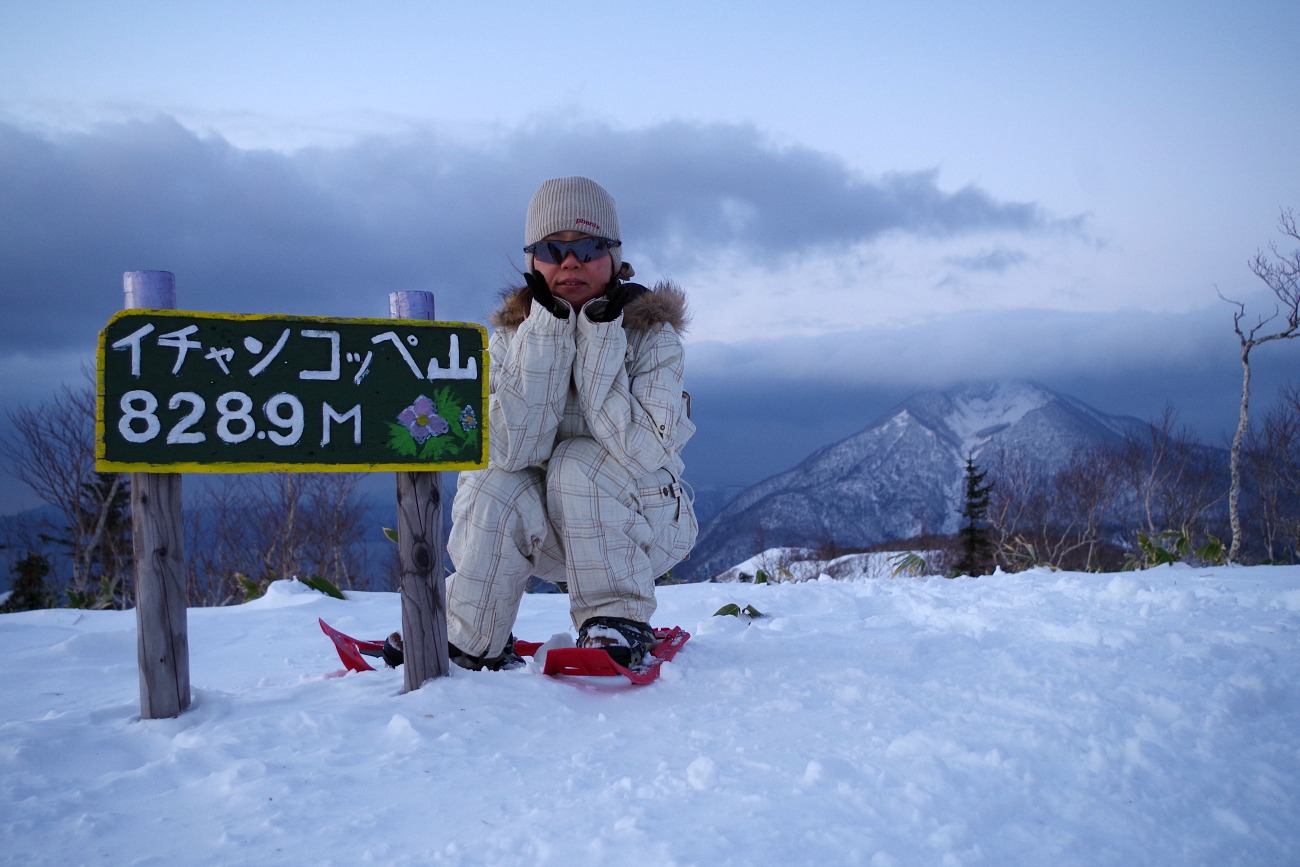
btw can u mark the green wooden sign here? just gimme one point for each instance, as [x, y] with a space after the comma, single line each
[216, 392]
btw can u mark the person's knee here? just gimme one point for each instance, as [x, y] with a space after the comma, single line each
[575, 460]
[496, 504]
[495, 492]
[581, 465]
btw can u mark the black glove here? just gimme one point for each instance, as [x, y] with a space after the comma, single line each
[543, 295]
[614, 301]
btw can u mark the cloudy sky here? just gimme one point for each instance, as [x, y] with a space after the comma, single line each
[863, 200]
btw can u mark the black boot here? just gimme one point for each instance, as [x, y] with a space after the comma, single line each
[503, 661]
[626, 641]
[393, 650]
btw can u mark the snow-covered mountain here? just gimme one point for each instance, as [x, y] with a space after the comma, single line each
[902, 476]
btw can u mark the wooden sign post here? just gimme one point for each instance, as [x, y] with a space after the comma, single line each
[182, 391]
[158, 547]
[420, 543]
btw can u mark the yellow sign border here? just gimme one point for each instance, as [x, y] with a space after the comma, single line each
[106, 466]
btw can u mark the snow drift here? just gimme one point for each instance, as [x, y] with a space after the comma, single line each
[1036, 718]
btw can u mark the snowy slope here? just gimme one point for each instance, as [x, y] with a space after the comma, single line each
[902, 476]
[1039, 718]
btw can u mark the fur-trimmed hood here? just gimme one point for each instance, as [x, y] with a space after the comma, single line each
[665, 303]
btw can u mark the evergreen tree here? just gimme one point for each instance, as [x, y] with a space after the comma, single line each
[976, 546]
[29, 590]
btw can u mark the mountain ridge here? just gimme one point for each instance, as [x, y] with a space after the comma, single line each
[902, 475]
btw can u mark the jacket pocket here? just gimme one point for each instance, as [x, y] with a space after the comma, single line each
[666, 506]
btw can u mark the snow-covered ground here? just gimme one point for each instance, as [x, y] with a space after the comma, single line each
[1038, 718]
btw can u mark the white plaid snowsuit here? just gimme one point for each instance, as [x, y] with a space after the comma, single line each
[583, 485]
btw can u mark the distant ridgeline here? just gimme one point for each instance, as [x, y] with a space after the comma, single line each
[903, 476]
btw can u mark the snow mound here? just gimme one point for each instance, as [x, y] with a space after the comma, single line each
[1036, 718]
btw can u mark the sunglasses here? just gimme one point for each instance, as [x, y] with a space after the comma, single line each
[586, 249]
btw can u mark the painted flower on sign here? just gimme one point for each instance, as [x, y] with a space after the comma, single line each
[422, 420]
[437, 427]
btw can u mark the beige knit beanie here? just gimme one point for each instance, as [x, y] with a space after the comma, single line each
[578, 204]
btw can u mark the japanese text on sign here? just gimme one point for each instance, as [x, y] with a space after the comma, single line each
[202, 392]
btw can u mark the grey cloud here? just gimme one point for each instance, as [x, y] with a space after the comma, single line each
[990, 343]
[728, 185]
[754, 427]
[995, 261]
[326, 232]
[763, 405]
[331, 230]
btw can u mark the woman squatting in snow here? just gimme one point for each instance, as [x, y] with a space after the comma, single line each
[587, 418]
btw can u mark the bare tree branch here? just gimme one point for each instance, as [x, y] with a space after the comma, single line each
[53, 453]
[1281, 274]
